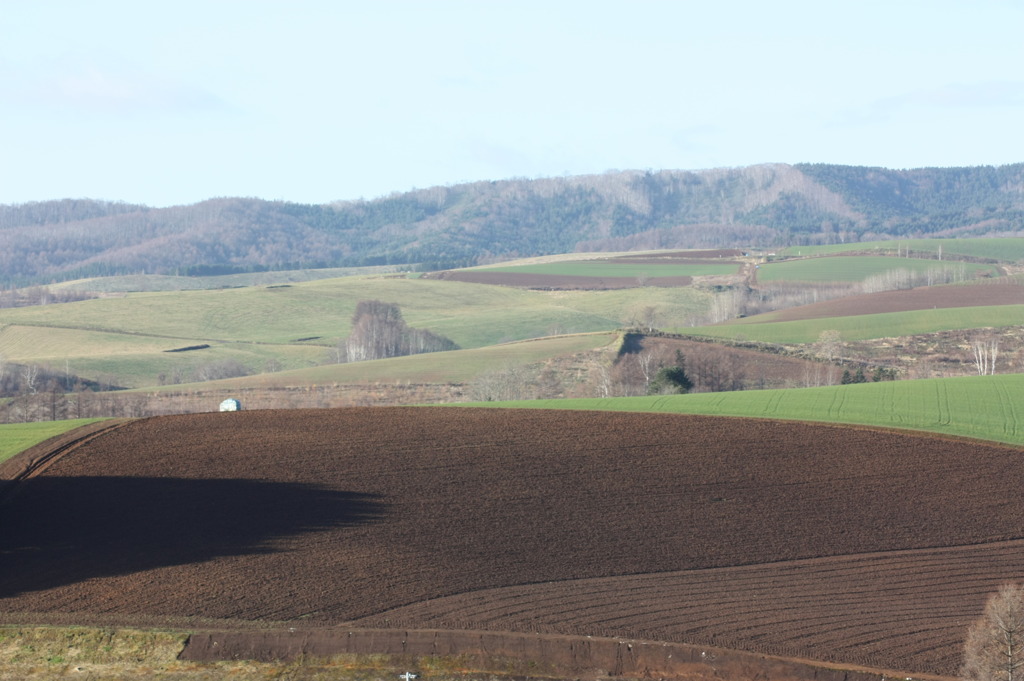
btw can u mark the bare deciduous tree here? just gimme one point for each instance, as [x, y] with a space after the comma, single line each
[511, 383]
[603, 380]
[985, 351]
[649, 317]
[378, 331]
[829, 345]
[994, 649]
[648, 363]
[30, 375]
[715, 369]
[815, 374]
[726, 305]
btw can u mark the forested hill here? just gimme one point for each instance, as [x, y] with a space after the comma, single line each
[766, 205]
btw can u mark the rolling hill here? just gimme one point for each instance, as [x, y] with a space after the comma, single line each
[128, 340]
[847, 544]
[768, 206]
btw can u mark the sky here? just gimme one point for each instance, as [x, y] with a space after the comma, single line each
[170, 103]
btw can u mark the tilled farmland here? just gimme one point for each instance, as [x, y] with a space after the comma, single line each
[557, 282]
[824, 542]
[995, 292]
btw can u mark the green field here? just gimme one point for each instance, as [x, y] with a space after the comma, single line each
[124, 340]
[1007, 249]
[984, 407]
[611, 268]
[457, 366]
[865, 327]
[17, 437]
[855, 268]
[166, 282]
[472, 315]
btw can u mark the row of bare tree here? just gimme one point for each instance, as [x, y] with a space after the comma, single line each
[903, 278]
[379, 331]
[40, 295]
[740, 301]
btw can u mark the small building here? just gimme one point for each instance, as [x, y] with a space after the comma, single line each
[231, 405]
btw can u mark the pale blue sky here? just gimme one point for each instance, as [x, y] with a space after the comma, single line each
[168, 103]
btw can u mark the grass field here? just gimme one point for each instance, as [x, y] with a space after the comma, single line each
[47, 344]
[123, 340]
[144, 369]
[295, 325]
[17, 437]
[854, 268]
[984, 407]
[472, 315]
[165, 282]
[458, 366]
[1006, 249]
[865, 327]
[610, 268]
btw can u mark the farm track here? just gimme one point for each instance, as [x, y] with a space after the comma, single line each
[812, 541]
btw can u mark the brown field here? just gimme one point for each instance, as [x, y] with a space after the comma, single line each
[555, 282]
[852, 545]
[681, 256]
[924, 298]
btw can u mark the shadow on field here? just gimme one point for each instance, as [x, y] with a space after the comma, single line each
[62, 530]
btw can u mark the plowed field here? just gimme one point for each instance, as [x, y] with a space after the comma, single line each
[557, 282]
[807, 540]
[924, 298]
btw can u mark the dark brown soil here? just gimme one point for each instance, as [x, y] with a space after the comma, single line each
[557, 282]
[924, 298]
[806, 540]
[682, 256]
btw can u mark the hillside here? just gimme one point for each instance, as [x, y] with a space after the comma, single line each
[276, 334]
[850, 545]
[761, 206]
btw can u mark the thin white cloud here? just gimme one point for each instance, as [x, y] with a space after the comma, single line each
[983, 95]
[696, 138]
[85, 85]
[956, 95]
[505, 159]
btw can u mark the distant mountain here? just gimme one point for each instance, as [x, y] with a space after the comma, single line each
[765, 205]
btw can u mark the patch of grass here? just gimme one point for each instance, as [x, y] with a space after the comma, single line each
[164, 282]
[1006, 249]
[78, 645]
[144, 370]
[17, 437]
[865, 327]
[54, 344]
[983, 407]
[457, 366]
[853, 268]
[36, 653]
